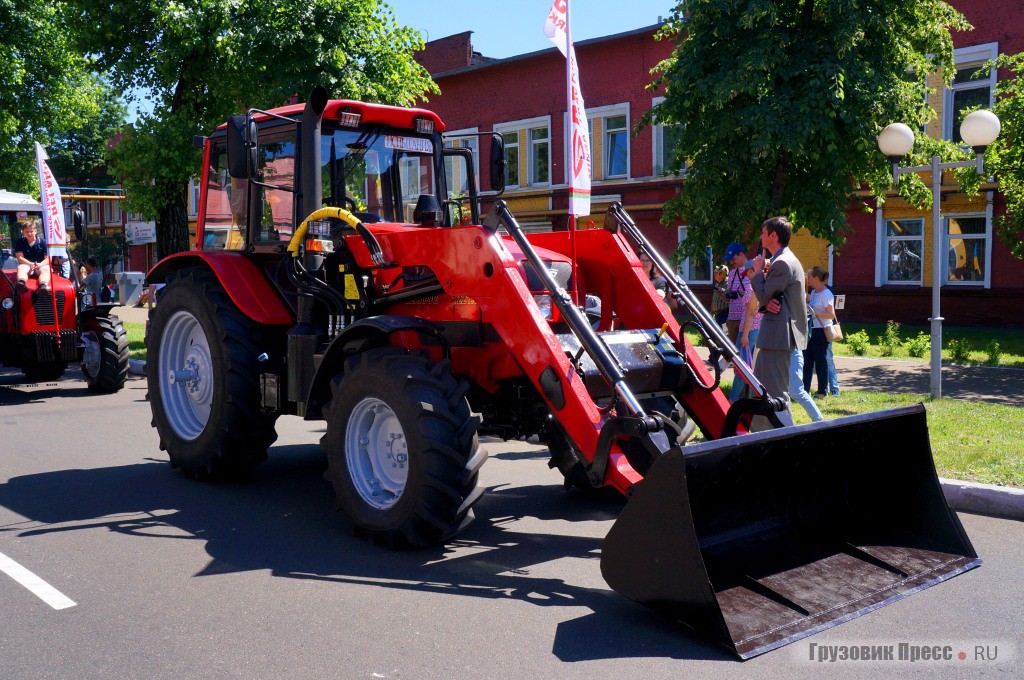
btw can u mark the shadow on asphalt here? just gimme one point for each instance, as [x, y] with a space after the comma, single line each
[281, 520]
[973, 383]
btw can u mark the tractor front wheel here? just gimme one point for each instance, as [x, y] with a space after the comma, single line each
[402, 448]
[105, 360]
[203, 375]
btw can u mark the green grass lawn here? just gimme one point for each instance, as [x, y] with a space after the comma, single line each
[1011, 342]
[136, 339]
[972, 441]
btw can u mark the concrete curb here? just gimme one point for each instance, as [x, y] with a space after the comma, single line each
[136, 367]
[987, 499]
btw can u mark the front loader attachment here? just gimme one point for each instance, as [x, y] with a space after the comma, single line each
[764, 539]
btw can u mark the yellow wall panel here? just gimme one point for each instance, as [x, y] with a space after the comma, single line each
[935, 98]
[810, 250]
[597, 145]
[527, 203]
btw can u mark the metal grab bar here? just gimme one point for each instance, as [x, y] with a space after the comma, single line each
[684, 295]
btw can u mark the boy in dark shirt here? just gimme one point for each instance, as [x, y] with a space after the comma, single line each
[32, 259]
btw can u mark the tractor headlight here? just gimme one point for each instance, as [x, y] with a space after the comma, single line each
[8, 303]
[88, 299]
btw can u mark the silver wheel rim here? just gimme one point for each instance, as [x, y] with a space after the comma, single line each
[91, 355]
[185, 374]
[377, 453]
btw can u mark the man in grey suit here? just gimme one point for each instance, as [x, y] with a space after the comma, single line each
[784, 325]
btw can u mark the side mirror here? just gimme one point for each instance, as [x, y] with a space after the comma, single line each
[78, 223]
[242, 143]
[497, 163]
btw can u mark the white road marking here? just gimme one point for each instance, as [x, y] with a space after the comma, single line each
[37, 586]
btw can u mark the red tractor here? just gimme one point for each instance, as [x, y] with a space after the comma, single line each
[345, 274]
[42, 331]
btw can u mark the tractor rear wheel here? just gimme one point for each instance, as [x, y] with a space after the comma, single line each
[203, 376]
[105, 360]
[402, 448]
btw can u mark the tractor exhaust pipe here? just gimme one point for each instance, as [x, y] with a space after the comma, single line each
[311, 198]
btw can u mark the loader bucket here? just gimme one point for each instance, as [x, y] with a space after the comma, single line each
[767, 538]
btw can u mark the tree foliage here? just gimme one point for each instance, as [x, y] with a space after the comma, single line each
[201, 61]
[1005, 158]
[77, 151]
[781, 104]
[47, 89]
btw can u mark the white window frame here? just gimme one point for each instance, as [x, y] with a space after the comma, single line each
[531, 155]
[657, 144]
[602, 112]
[987, 215]
[968, 57]
[459, 136]
[193, 198]
[684, 266]
[883, 251]
[526, 125]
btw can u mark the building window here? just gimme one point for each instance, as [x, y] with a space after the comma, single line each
[695, 270]
[968, 92]
[111, 212]
[616, 146]
[665, 138]
[511, 159]
[539, 158]
[193, 198]
[903, 245]
[458, 179]
[966, 238]
[92, 212]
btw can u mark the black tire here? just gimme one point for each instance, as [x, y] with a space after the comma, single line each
[441, 449]
[234, 436]
[44, 372]
[110, 369]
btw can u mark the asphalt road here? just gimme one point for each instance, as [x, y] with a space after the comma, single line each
[177, 579]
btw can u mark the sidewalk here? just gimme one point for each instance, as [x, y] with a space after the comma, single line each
[970, 383]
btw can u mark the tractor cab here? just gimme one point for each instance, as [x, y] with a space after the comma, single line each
[266, 171]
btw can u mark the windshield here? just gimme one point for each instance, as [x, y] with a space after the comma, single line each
[378, 171]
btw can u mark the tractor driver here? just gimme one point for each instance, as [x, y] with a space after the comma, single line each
[30, 253]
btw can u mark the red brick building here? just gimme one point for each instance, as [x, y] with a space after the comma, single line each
[885, 267]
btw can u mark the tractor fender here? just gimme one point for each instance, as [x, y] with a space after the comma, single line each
[371, 331]
[244, 282]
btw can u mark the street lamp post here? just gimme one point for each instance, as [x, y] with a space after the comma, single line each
[978, 130]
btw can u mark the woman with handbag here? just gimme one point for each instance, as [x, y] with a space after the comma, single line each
[820, 303]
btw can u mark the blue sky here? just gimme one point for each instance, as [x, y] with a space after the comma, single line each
[507, 29]
[514, 27]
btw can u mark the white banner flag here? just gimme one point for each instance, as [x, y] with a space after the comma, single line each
[53, 208]
[556, 28]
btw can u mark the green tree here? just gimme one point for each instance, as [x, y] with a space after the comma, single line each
[202, 61]
[45, 87]
[1005, 158]
[76, 152]
[781, 104]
